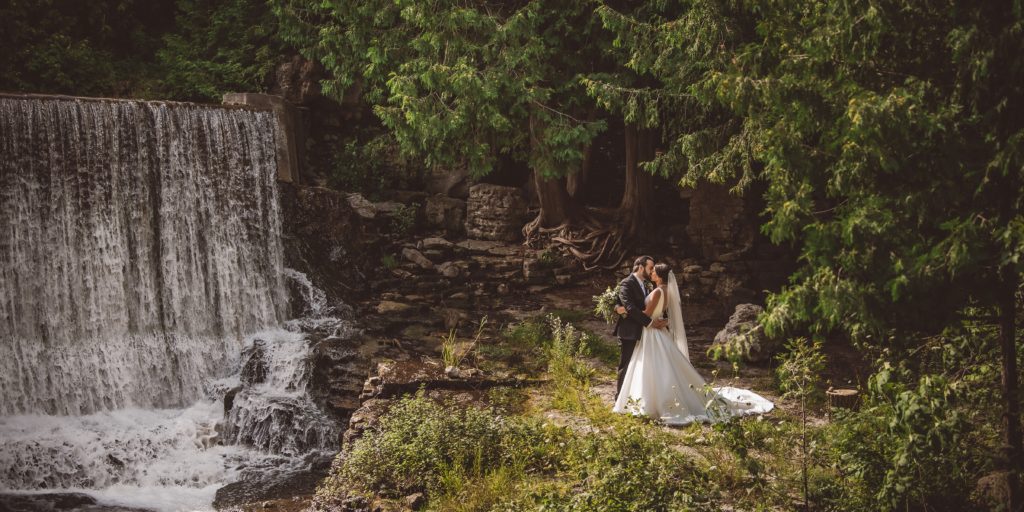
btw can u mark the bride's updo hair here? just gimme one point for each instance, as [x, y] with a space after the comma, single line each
[662, 269]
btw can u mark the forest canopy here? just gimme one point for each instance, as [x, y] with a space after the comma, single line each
[888, 135]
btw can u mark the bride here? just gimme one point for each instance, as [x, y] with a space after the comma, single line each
[661, 383]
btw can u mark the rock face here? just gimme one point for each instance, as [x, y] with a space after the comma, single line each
[297, 80]
[445, 213]
[743, 322]
[720, 223]
[728, 262]
[448, 182]
[495, 212]
[329, 238]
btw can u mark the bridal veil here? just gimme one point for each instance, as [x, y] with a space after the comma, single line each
[675, 315]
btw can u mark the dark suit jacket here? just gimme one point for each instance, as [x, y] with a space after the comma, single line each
[632, 296]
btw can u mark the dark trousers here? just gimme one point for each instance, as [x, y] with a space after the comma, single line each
[626, 353]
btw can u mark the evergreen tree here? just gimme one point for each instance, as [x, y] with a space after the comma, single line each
[891, 138]
[478, 84]
[217, 47]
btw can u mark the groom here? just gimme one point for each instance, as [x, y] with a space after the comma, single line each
[632, 293]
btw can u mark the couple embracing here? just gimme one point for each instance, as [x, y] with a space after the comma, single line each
[655, 377]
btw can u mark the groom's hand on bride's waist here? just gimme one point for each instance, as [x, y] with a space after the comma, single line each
[658, 323]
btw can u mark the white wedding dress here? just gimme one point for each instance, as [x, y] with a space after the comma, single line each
[661, 383]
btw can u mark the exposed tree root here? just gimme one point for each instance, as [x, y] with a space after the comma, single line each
[593, 243]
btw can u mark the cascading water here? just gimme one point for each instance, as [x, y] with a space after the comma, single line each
[141, 280]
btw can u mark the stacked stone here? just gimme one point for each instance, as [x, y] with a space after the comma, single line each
[495, 213]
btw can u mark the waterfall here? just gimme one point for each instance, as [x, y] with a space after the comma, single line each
[146, 357]
[139, 244]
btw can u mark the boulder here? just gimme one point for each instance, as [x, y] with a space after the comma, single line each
[449, 269]
[454, 317]
[435, 243]
[387, 306]
[388, 207]
[743, 322]
[447, 182]
[415, 501]
[445, 213]
[417, 257]
[494, 212]
[363, 207]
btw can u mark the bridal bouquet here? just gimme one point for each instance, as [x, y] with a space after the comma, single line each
[604, 305]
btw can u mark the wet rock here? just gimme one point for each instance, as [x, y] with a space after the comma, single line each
[229, 398]
[256, 487]
[254, 371]
[417, 257]
[743, 322]
[494, 212]
[58, 501]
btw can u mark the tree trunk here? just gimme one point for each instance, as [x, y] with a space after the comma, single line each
[577, 180]
[1011, 417]
[636, 206]
[1006, 299]
[556, 207]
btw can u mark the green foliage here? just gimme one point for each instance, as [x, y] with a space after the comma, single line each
[450, 353]
[633, 468]
[388, 261]
[800, 370]
[736, 348]
[421, 445]
[218, 47]
[171, 49]
[890, 146]
[403, 220]
[370, 164]
[533, 332]
[461, 83]
[104, 47]
[549, 258]
[570, 372]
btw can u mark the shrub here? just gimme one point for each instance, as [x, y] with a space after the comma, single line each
[422, 445]
[369, 163]
[403, 221]
[630, 468]
[570, 373]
